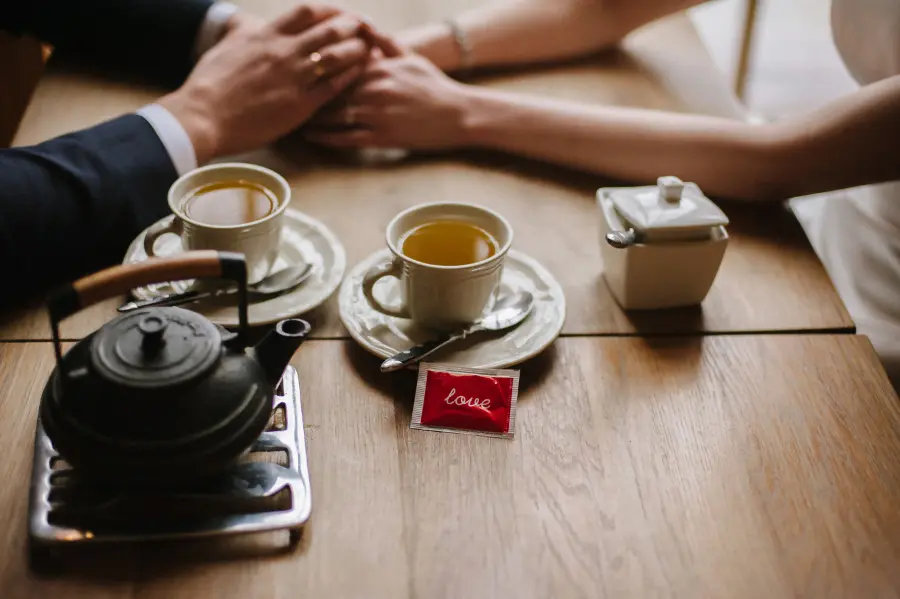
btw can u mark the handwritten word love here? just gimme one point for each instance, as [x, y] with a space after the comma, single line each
[461, 400]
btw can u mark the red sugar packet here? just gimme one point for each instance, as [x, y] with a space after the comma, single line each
[457, 399]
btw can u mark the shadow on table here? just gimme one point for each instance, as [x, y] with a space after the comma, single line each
[161, 559]
[768, 222]
[666, 322]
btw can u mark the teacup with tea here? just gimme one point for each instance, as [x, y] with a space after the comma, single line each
[232, 207]
[448, 257]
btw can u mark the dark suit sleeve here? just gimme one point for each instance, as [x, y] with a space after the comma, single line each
[73, 204]
[151, 38]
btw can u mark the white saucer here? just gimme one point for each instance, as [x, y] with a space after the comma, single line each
[384, 336]
[304, 240]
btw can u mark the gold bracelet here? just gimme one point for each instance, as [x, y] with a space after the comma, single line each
[462, 43]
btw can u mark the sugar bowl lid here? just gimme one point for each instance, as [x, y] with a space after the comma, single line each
[671, 205]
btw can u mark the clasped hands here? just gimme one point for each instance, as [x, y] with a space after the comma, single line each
[328, 72]
[400, 100]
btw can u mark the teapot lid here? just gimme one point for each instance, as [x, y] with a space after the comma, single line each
[670, 205]
[156, 347]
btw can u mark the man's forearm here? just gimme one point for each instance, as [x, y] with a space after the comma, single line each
[724, 157]
[852, 142]
[72, 204]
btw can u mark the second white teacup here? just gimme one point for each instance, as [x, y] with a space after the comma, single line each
[450, 294]
[242, 210]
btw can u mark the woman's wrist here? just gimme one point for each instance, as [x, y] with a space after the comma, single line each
[435, 42]
[481, 114]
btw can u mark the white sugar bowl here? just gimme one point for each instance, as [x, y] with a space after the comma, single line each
[661, 246]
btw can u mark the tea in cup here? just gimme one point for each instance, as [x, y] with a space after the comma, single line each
[448, 257]
[229, 207]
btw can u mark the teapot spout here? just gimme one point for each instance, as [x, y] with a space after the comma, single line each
[277, 348]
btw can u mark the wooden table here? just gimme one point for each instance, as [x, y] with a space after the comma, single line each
[770, 280]
[732, 466]
[642, 466]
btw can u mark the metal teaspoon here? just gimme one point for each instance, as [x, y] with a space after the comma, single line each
[508, 312]
[276, 283]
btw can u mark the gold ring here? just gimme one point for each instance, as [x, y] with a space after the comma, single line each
[318, 69]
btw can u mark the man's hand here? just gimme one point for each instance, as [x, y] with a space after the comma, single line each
[241, 21]
[401, 101]
[262, 81]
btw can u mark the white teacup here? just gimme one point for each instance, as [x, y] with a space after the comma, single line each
[259, 240]
[434, 296]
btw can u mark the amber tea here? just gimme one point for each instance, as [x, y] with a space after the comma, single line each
[448, 243]
[229, 203]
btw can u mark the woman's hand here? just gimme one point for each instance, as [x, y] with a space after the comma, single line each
[402, 100]
[263, 80]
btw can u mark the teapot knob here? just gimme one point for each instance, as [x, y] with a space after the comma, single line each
[670, 189]
[152, 327]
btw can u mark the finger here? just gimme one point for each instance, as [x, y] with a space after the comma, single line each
[374, 93]
[344, 139]
[302, 17]
[326, 33]
[327, 119]
[345, 116]
[387, 45]
[335, 59]
[327, 89]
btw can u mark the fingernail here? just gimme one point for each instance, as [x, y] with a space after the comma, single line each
[367, 22]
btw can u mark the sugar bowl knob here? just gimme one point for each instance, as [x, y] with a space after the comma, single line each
[670, 189]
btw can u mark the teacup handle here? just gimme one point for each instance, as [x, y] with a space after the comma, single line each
[394, 268]
[156, 231]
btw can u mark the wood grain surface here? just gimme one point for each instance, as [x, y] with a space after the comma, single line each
[770, 279]
[734, 466]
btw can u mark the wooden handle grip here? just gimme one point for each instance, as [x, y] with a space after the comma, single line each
[120, 279]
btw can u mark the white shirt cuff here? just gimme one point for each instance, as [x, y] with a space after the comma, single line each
[213, 27]
[173, 137]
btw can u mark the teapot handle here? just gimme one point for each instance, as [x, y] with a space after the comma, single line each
[117, 280]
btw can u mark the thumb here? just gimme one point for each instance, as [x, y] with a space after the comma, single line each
[388, 46]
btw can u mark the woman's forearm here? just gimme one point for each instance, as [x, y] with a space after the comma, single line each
[527, 31]
[724, 157]
[853, 142]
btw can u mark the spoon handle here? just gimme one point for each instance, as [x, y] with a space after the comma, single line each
[415, 354]
[173, 299]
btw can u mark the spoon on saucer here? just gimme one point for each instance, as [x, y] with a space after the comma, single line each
[508, 312]
[278, 282]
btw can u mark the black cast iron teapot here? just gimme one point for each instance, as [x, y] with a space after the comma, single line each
[161, 396]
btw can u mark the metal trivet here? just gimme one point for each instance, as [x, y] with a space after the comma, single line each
[268, 490]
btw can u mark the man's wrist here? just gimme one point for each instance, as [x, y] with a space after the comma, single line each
[435, 42]
[193, 116]
[173, 136]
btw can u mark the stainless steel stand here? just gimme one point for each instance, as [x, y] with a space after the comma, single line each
[255, 495]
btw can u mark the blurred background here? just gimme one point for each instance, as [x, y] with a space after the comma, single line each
[793, 65]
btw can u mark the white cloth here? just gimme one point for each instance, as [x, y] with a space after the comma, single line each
[856, 232]
[173, 136]
[213, 27]
[170, 132]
